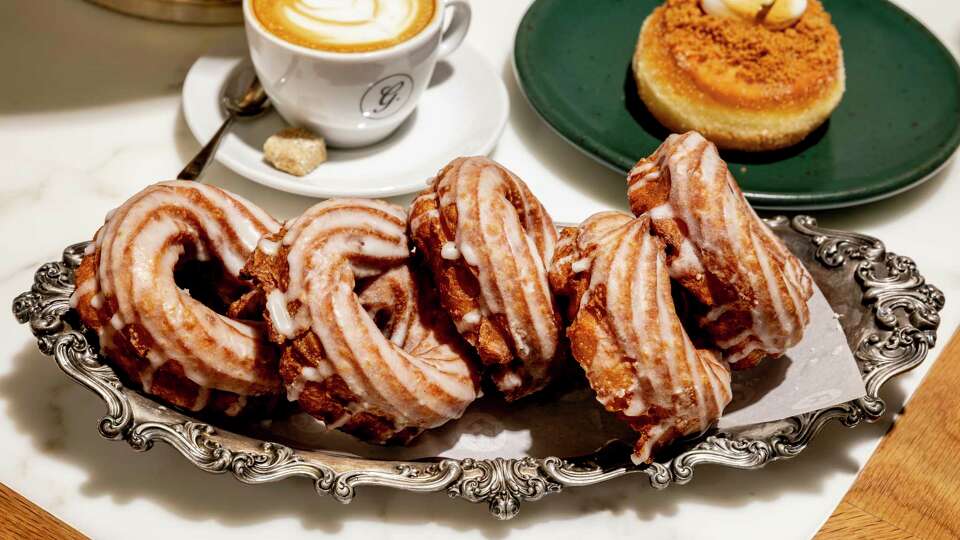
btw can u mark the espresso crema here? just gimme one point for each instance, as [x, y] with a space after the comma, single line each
[345, 25]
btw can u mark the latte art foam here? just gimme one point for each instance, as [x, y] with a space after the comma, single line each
[345, 25]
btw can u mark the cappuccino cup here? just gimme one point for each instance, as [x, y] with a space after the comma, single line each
[350, 70]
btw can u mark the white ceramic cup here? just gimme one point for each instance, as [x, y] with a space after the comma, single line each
[353, 99]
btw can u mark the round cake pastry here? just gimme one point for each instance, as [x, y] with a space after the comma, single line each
[626, 334]
[750, 75]
[486, 239]
[365, 348]
[749, 292]
[160, 286]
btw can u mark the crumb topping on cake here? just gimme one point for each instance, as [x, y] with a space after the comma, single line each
[801, 59]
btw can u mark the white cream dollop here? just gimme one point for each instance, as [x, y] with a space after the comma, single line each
[771, 13]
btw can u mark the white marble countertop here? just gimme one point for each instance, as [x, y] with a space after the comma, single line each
[90, 113]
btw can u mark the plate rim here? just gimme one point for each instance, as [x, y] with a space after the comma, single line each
[764, 200]
[274, 180]
[898, 328]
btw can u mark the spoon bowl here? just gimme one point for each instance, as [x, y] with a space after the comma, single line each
[243, 97]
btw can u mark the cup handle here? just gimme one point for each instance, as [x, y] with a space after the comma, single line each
[457, 29]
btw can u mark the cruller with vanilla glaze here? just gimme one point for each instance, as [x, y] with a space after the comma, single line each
[364, 346]
[749, 75]
[663, 367]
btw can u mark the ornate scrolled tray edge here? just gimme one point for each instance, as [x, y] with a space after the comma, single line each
[905, 313]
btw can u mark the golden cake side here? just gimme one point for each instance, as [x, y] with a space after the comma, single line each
[741, 84]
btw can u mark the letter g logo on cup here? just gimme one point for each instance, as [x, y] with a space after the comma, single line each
[347, 83]
[386, 96]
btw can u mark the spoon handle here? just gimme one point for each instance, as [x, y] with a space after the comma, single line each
[195, 168]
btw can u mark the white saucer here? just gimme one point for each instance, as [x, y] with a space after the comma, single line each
[462, 113]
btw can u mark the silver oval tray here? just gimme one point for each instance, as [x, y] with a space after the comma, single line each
[889, 315]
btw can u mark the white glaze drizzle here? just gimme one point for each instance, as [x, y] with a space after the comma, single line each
[449, 251]
[670, 373]
[580, 265]
[472, 317]
[727, 229]
[220, 225]
[414, 390]
[269, 247]
[279, 316]
[505, 247]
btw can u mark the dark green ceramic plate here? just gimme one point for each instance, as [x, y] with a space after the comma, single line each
[899, 121]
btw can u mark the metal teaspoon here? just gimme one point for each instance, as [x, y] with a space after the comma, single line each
[240, 101]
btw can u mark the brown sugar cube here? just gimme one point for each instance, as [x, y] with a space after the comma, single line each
[295, 150]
